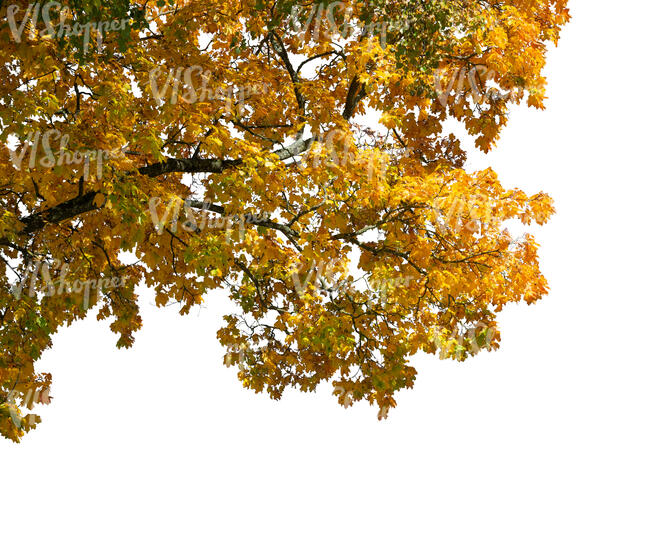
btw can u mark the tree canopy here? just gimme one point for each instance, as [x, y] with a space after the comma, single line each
[304, 156]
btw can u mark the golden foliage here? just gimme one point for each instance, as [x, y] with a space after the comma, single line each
[229, 145]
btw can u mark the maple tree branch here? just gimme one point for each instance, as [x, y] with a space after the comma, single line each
[279, 48]
[58, 213]
[376, 251]
[356, 93]
[189, 165]
[264, 303]
[86, 202]
[326, 53]
[290, 234]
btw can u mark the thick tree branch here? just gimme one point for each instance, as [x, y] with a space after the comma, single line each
[356, 93]
[86, 202]
[59, 213]
[189, 165]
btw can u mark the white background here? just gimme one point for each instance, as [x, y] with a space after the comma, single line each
[546, 439]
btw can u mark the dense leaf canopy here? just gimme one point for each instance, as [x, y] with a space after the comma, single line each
[300, 155]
